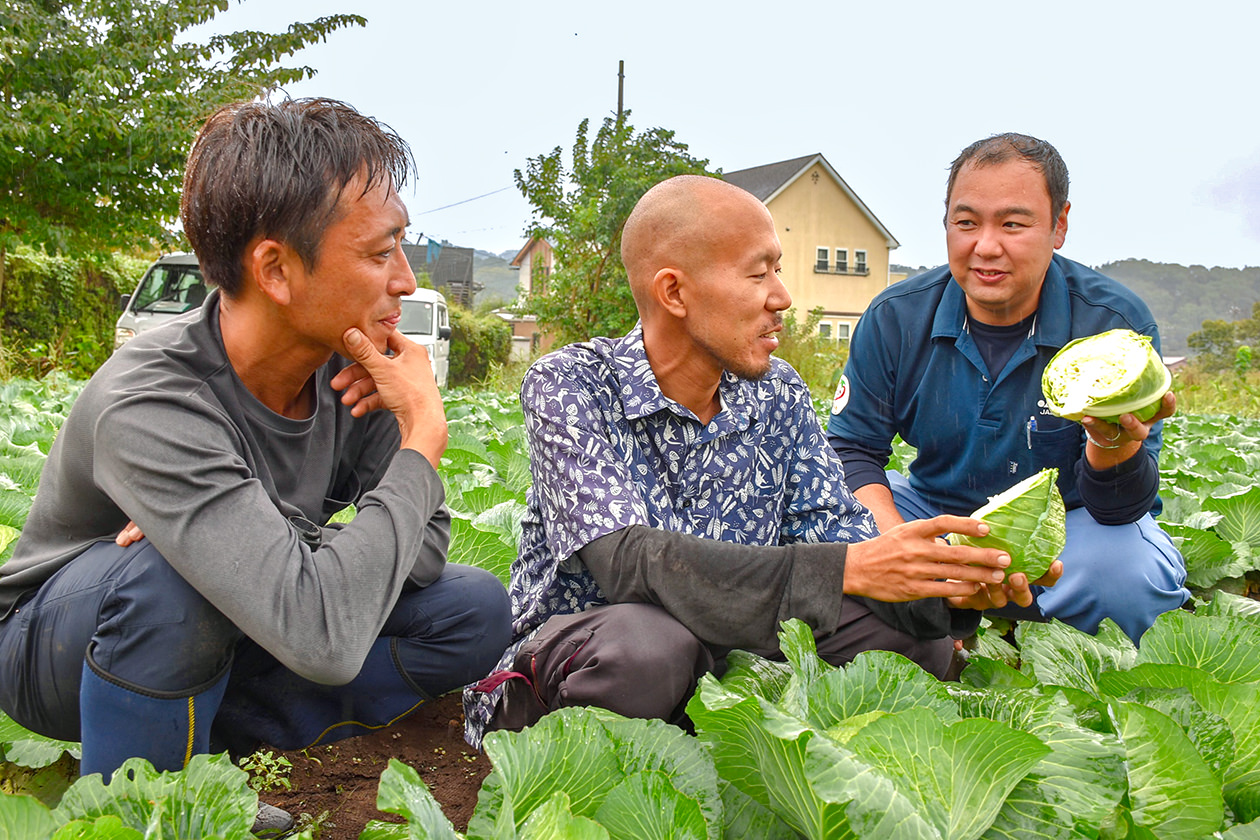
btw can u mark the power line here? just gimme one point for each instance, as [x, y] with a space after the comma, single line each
[465, 201]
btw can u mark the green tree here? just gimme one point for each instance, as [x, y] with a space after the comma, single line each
[1217, 344]
[581, 212]
[99, 105]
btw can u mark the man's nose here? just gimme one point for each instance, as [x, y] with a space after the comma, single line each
[989, 240]
[780, 298]
[402, 280]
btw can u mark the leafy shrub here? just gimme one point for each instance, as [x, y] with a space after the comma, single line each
[818, 360]
[59, 313]
[478, 342]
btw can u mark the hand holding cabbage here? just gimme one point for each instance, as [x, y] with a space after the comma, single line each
[1028, 521]
[1102, 381]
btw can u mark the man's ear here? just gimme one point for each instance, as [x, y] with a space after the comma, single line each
[1060, 226]
[269, 268]
[667, 291]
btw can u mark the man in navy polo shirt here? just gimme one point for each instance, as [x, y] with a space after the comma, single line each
[951, 360]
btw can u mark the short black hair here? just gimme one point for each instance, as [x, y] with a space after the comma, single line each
[277, 170]
[1003, 147]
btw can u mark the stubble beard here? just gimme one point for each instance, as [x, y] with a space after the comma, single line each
[739, 368]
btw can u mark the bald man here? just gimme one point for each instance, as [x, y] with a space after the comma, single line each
[685, 500]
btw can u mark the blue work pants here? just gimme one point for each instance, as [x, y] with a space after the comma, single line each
[149, 630]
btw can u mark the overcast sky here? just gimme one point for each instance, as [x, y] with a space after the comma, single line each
[1155, 106]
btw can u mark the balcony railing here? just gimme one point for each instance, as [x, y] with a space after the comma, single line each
[842, 268]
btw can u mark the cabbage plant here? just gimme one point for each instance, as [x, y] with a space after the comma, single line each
[1106, 375]
[1026, 521]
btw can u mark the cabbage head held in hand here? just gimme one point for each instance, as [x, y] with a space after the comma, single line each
[1106, 375]
[1027, 522]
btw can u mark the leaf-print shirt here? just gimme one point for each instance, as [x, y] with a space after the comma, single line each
[608, 450]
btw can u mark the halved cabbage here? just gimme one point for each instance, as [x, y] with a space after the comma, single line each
[1026, 521]
[1106, 375]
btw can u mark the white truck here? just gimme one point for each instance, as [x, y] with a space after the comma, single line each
[174, 285]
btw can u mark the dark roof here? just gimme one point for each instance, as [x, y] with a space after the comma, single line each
[764, 181]
[451, 273]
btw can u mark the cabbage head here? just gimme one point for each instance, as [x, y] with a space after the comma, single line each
[1106, 375]
[1027, 522]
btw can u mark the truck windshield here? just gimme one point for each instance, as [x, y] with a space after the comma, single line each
[171, 289]
[417, 317]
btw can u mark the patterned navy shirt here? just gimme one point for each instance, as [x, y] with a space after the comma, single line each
[608, 450]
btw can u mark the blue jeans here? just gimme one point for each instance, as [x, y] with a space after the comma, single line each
[1128, 573]
[147, 626]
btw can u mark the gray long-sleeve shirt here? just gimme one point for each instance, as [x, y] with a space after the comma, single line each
[165, 434]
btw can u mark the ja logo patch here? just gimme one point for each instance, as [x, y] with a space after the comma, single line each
[841, 399]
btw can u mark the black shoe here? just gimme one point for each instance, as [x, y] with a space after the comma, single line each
[271, 823]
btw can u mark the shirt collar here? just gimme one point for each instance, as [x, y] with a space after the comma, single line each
[1051, 329]
[641, 394]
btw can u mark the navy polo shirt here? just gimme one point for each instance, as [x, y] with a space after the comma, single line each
[914, 370]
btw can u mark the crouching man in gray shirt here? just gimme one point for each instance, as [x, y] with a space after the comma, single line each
[178, 588]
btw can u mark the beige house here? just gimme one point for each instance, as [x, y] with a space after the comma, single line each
[835, 251]
[535, 261]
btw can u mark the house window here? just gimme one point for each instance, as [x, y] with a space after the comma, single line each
[824, 330]
[859, 262]
[842, 260]
[842, 331]
[822, 261]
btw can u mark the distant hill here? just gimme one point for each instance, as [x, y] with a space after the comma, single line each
[907, 270]
[496, 276]
[1181, 298]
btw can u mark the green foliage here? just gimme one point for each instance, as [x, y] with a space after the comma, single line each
[267, 771]
[581, 213]
[486, 472]
[1208, 470]
[478, 343]
[1163, 741]
[818, 360]
[1090, 737]
[208, 799]
[102, 101]
[578, 773]
[59, 311]
[1227, 392]
[1222, 345]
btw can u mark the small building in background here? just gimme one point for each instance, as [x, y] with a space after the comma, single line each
[450, 269]
[535, 261]
[835, 250]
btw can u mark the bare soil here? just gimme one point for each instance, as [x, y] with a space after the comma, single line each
[333, 787]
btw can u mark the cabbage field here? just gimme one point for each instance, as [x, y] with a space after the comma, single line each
[1051, 733]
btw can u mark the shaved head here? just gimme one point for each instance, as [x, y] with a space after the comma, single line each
[703, 260]
[678, 222]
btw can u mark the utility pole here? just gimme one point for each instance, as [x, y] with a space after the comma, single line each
[621, 81]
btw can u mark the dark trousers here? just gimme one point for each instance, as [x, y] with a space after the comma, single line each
[150, 630]
[639, 661]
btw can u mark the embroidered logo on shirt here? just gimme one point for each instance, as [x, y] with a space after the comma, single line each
[841, 399]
